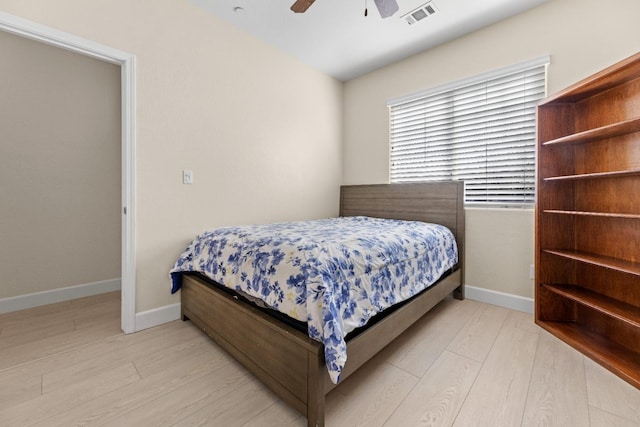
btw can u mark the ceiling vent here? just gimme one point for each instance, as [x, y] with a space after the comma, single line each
[420, 13]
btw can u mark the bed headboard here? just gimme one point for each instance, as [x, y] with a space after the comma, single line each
[439, 202]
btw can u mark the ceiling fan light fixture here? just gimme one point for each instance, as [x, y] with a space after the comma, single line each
[301, 6]
[387, 7]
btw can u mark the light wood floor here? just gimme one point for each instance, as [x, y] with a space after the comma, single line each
[464, 364]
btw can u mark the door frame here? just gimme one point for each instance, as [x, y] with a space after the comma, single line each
[127, 62]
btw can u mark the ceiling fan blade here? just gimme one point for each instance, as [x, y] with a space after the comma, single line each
[386, 7]
[301, 6]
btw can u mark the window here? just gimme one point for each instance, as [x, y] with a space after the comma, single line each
[480, 130]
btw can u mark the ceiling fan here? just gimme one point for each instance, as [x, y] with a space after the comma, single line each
[385, 7]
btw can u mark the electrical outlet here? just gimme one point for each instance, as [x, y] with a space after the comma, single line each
[532, 272]
[187, 177]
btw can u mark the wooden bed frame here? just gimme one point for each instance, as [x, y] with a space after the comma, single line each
[287, 360]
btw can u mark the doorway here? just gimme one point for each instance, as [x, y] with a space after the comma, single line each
[126, 62]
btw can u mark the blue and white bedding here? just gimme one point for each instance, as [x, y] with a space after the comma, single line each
[334, 274]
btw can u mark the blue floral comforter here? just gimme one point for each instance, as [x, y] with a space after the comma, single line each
[334, 274]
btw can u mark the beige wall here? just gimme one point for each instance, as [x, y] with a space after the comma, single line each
[59, 168]
[582, 37]
[263, 133]
[260, 130]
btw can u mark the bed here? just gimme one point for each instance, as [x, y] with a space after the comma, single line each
[279, 351]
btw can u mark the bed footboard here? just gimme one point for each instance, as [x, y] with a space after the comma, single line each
[366, 345]
[284, 359]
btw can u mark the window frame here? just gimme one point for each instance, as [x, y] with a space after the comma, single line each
[457, 85]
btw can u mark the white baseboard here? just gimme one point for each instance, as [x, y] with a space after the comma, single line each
[157, 316]
[501, 299]
[169, 313]
[22, 302]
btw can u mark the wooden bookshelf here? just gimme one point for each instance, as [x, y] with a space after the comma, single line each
[601, 214]
[615, 129]
[599, 260]
[588, 217]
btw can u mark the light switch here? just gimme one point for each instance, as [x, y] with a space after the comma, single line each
[187, 176]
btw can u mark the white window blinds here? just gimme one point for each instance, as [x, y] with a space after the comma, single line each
[481, 130]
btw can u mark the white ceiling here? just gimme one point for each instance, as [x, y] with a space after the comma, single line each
[335, 37]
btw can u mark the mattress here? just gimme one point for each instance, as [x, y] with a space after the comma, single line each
[333, 274]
